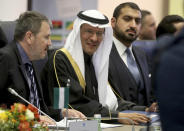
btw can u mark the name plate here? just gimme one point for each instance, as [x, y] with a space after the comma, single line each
[91, 125]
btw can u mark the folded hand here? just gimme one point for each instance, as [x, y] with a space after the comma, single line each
[73, 113]
[46, 121]
[133, 118]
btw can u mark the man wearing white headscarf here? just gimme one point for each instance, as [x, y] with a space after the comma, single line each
[85, 61]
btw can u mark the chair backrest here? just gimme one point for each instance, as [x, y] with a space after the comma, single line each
[8, 27]
[3, 40]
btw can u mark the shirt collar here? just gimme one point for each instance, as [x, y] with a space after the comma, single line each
[24, 57]
[120, 46]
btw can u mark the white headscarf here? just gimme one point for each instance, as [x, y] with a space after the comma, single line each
[100, 58]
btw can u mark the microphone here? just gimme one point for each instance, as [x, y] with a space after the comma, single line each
[12, 91]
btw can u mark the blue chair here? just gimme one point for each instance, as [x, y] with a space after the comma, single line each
[8, 28]
[3, 39]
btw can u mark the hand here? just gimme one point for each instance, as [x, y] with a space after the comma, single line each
[135, 117]
[152, 108]
[73, 113]
[46, 121]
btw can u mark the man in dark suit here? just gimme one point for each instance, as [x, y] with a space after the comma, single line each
[128, 69]
[169, 83]
[31, 41]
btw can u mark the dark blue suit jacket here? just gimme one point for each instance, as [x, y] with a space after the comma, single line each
[122, 80]
[146, 45]
[169, 83]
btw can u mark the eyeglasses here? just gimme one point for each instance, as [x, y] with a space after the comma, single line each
[90, 33]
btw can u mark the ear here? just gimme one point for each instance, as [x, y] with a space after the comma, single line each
[29, 37]
[113, 21]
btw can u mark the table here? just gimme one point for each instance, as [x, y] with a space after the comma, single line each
[125, 128]
[129, 128]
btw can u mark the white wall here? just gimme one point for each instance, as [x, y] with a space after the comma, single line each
[11, 9]
[158, 8]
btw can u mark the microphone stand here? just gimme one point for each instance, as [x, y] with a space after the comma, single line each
[66, 117]
[67, 86]
[12, 91]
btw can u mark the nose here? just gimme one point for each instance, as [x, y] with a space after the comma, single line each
[49, 42]
[133, 23]
[94, 37]
[155, 28]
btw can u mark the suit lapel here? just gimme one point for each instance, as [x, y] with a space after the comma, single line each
[143, 67]
[121, 72]
[139, 59]
[21, 65]
[121, 66]
[22, 69]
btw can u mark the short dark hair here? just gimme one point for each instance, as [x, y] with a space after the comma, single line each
[166, 26]
[28, 21]
[117, 10]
